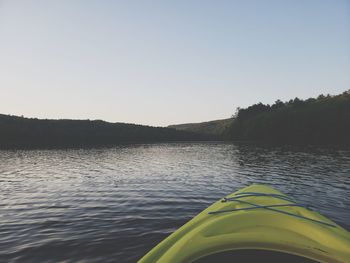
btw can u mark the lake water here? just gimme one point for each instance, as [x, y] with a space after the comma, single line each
[113, 205]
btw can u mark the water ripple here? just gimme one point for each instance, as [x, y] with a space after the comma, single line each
[115, 204]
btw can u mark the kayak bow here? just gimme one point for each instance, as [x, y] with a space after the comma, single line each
[256, 217]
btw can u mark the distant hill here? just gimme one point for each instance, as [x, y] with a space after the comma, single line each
[20, 132]
[215, 128]
[321, 120]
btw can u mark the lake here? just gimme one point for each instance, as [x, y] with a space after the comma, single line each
[114, 204]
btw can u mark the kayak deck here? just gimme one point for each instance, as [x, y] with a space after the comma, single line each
[256, 217]
[250, 255]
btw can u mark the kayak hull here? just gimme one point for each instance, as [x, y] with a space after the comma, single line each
[256, 217]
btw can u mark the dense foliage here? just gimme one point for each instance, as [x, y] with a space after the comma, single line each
[214, 128]
[19, 132]
[325, 119]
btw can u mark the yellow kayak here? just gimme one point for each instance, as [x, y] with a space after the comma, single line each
[257, 217]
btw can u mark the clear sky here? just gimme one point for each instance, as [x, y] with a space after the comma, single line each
[167, 62]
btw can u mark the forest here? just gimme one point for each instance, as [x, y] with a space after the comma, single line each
[21, 132]
[321, 120]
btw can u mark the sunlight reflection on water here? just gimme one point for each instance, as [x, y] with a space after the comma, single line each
[115, 204]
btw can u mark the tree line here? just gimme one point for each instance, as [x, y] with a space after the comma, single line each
[20, 132]
[321, 120]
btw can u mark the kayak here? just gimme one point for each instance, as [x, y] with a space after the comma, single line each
[257, 218]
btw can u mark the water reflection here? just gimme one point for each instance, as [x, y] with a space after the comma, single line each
[115, 204]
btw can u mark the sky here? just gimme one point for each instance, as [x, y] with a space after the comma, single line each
[168, 62]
